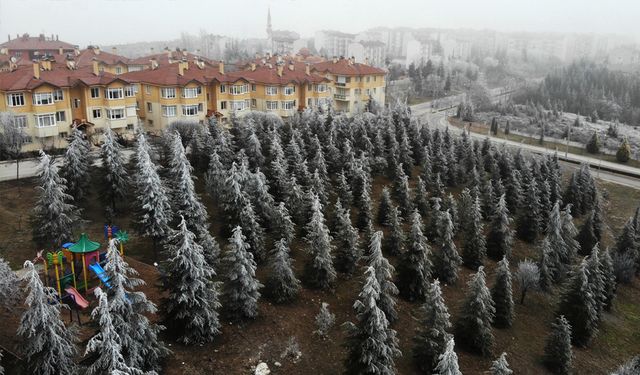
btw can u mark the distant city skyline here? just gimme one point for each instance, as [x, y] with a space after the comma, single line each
[105, 22]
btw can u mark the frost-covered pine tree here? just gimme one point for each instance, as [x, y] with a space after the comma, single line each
[528, 276]
[559, 254]
[365, 217]
[105, 346]
[282, 284]
[500, 236]
[631, 367]
[431, 335]
[596, 279]
[448, 361]
[54, 216]
[448, 261]
[113, 172]
[421, 200]
[324, 321]
[569, 233]
[527, 223]
[502, 295]
[414, 269]
[608, 271]
[1, 368]
[403, 192]
[474, 248]
[241, 287]
[191, 306]
[153, 211]
[579, 306]
[546, 266]
[76, 168]
[215, 176]
[371, 344]
[253, 230]
[384, 207]
[394, 243]
[465, 208]
[500, 366]
[282, 223]
[141, 346]
[587, 237]
[48, 346]
[346, 236]
[558, 356]
[9, 284]
[384, 273]
[473, 327]
[319, 270]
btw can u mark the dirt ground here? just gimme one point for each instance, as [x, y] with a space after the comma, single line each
[241, 346]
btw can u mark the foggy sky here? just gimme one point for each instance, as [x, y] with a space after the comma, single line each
[121, 21]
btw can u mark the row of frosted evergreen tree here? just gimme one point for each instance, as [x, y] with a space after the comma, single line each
[273, 183]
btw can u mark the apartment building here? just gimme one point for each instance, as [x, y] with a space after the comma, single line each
[333, 43]
[49, 99]
[28, 47]
[354, 84]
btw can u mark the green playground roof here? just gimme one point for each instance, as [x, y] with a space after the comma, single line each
[84, 245]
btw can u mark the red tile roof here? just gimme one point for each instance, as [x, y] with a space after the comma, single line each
[269, 75]
[35, 43]
[167, 75]
[344, 67]
[23, 79]
[170, 57]
[86, 57]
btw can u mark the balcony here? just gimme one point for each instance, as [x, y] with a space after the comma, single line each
[342, 97]
[47, 131]
[339, 84]
[118, 124]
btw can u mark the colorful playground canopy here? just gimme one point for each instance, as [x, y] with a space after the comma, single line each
[84, 245]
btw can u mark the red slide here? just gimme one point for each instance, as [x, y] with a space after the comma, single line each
[77, 297]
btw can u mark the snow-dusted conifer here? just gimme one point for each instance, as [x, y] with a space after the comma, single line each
[324, 321]
[500, 236]
[473, 327]
[384, 206]
[448, 261]
[282, 283]
[241, 287]
[282, 223]
[76, 169]
[559, 255]
[502, 295]
[105, 346]
[587, 237]
[191, 306]
[253, 230]
[421, 200]
[384, 273]
[528, 276]
[48, 346]
[113, 172]
[527, 223]
[431, 335]
[141, 346]
[343, 190]
[153, 211]
[569, 233]
[500, 366]
[365, 217]
[8, 284]
[346, 236]
[53, 216]
[474, 248]
[414, 269]
[448, 361]
[558, 355]
[372, 345]
[394, 243]
[319, 270]
[607, 269]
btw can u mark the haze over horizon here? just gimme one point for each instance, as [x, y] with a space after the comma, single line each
[127, 21]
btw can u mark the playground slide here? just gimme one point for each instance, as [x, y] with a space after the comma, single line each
[77, 297]
[102, 275]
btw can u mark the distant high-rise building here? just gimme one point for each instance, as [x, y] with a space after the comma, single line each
[332, 43]
[280, 41]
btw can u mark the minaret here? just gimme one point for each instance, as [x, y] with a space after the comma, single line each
[269, 31]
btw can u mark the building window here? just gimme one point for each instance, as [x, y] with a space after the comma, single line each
[61, 116]
[309, 87]
[189, 110]
[58, 96]
[368, 79]
[289, 90]
[254, 87]
[169, 110]
[200, 107]
[191, 92]
[63, 135]
[95, 92]
[272, 90]
[223, 89]
[288, 104]
[129, 127]
[115, 114]
[375, 89]
[130, 91]
[147, 89]
[15, 100]
[96, 112]
[19, 121]
[238, 89]
[149, 107]
[368, 92]
[375, 78]
[272, 105]
[168, 92]
[321, 88]
[112, 94]
[43, 121]
[76, 103]
[118, 70]
[42, 98]
[223, 104]
[254, 103]
[131, 111]
[309, 102]
[358, 79]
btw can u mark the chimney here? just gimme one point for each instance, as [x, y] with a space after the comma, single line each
[57, 39]
[184, 52]
[221, 67]
[76, 50]
[152, 50]
[60, 51]
[307, 69]
[114, 50]
[96, 50]
[291, 66]
[96, 67]
[253, 67]
[257, 56]
[36, 70]
[280, 69]
[154, 64]
[335, 59]
[366, 61]
[4, 51]
[181, 68]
